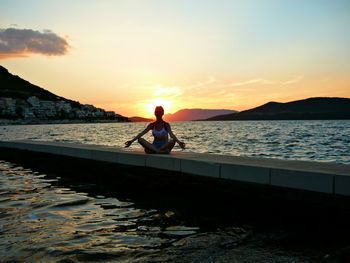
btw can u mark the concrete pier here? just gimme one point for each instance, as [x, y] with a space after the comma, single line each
[328, 178]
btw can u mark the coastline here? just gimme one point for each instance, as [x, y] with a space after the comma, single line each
[5, 122]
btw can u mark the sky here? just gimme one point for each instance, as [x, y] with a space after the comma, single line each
[131, 55]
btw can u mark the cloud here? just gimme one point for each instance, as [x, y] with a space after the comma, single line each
[292, 81]
[21, 42]
[209, 81]
[265, 82]
[252, 81]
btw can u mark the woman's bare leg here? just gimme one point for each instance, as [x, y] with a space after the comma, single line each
[166, 148]
[149, 147]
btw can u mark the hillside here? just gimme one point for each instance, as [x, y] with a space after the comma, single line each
[195, 114]
[12, 86]
[307, 109]
[22, 100]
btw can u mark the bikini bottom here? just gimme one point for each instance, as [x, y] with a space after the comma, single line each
[159, 144]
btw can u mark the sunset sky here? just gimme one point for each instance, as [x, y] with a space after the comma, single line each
[129, 55]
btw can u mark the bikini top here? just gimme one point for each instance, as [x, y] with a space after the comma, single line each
[159, 133]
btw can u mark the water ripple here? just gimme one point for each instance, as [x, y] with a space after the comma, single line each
[326, 141]
[41, 220]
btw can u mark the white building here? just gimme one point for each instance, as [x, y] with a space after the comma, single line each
[28, 113]
[8, 106]
[111, 114]
[80, 113]
[63, 106]
[34, 101]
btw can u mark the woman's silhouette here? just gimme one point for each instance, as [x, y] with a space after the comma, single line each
[160, 131]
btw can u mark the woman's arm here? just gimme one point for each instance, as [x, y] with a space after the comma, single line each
[148, 128]
[172, 135]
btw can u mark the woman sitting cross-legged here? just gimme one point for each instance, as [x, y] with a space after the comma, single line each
[161, 131]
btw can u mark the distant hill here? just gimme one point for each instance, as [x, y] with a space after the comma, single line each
[195, 114]
[12, 86]
[323, 108]
[25, 102]
[140, 119]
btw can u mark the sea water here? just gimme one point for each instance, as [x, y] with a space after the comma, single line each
[48, 216]
[324, 141]
[51, 216]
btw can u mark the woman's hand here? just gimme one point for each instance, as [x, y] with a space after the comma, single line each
[182, 145]
[127, 144]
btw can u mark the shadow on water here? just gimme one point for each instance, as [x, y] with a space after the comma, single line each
[237, 222]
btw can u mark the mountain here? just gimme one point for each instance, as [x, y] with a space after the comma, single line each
[12, 86]
[25, 102]
[195, 114]
[140, 119]
[322, 108]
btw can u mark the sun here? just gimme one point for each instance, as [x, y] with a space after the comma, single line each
[151, 105]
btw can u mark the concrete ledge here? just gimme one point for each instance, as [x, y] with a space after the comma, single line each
[105, 155]
[76, 152]
[310, 176]
[245, 173]
[130, 158]
[46, 149]
[203, 168]
[164, 162]
[317, 182]
[342, 185]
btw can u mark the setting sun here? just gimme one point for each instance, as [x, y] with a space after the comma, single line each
[166, 104]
